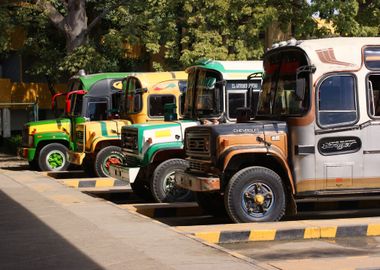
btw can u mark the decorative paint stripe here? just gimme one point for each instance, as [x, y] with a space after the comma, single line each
[327, 56]
[312, 232]
[103, 127]
[163, 133]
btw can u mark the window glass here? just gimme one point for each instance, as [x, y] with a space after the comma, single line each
[157, 102]
[75, 85]
[237, 94]
[337, 102]
[374, 95]
[188, 107]
[133, 97]
[97, 110]
[235, 100]
[182, 99]
[116, 102]
[209, 87]
[372, 57]
[278, 96]
[76, 104]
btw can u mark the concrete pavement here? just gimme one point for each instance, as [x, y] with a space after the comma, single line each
[45, 225]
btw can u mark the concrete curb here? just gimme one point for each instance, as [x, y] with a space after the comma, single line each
[290, 233]
[161, 210]
[93, 183]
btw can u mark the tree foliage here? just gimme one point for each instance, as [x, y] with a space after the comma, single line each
[64, 36]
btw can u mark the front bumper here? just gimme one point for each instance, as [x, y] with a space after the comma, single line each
[76, 157]
[197, 183]
[124, 173]
[27, 153]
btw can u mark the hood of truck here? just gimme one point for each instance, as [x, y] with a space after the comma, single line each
[254, 127]
[159, 133]
[54, 125]
[108, 128]
[236, 135]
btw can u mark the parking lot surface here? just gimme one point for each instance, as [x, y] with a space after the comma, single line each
[52, 221]
[46, 225]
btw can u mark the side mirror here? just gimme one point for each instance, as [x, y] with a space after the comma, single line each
[300, 88]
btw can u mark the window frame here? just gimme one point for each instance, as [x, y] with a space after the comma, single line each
[160, 95]
[357, 108]
[101, 100]
[364, 60]
[138, 95]
[370, 95]
[228, 92]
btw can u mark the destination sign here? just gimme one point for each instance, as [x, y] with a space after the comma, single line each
[243, 85]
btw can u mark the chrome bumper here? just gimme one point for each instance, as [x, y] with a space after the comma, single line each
[123, 173]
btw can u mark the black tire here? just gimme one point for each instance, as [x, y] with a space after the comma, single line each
[163, 183]
[106, 156]
[212, 203]
[142, 190]
[255, 194]
[53, 157]
[33, 164]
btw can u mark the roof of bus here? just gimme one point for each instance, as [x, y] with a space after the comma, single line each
[89, 80]
[340, 53]
[152, 79]
[230, 69]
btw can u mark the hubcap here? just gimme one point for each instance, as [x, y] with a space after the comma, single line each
[257, 200]
[55, 160]
[170, 188]
[114, 159]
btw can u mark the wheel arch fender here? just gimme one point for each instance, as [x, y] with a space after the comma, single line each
[259, 156]
[101, 142]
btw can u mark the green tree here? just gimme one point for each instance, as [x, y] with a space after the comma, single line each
[64, 36]
[7, 27]
[184, 31]
[350, 17]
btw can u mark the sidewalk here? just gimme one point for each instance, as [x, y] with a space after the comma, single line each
[45, 225]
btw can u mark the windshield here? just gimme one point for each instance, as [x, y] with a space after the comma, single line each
[76, 104]
[278, 96]
[133, 95]
[203, 97]
[58, 105]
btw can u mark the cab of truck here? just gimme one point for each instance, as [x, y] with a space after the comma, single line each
[314, 137]
[45, 143]
[154, 152]
[143, 98]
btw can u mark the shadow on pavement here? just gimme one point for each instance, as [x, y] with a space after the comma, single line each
[27, 243]
[16, 168]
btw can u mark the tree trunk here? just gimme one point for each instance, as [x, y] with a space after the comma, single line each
[76, 25]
